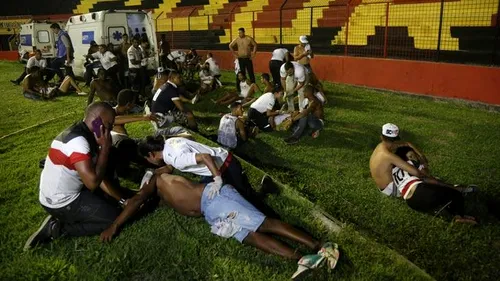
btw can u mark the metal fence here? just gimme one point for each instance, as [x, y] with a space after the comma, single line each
[466, 31]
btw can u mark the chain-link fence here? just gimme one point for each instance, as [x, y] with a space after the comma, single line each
[466, 31]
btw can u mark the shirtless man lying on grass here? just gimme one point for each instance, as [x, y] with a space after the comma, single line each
[229, 215]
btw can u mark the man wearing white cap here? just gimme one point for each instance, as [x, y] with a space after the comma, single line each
[302, 53]
[383, 160]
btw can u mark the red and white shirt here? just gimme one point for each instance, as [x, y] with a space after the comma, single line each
[60, 183]
[403, 181]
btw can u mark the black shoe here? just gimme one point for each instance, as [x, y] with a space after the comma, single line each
[267, 186]
[49, 230]
[291, 140]
[15, 82]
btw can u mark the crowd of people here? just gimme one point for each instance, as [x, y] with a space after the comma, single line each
[80, 181]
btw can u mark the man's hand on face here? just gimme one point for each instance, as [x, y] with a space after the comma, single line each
[104, 141]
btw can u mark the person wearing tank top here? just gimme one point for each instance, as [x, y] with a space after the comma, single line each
[232, 129]
[246, 95]
[427, 194]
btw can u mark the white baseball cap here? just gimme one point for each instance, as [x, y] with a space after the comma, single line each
[390, 130]
[303, 39]
[161, 69]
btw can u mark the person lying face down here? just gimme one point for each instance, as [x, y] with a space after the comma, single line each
[229, 216]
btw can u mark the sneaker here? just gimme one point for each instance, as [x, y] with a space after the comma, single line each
[308, 262]
[331, 252]
[315, 134]
[195, 99]
[15, 82]
[465, 219]
[82, 94]
[471, 188]
[291, 140]
[267, 186]
[49, 230]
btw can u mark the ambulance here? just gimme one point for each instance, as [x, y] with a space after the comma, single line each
[37, 36]
[106, 27]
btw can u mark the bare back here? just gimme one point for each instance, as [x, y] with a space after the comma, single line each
[381, 166]
[104, 89]
[181, 194]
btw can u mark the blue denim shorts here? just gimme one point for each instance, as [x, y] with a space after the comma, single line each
[227, 202]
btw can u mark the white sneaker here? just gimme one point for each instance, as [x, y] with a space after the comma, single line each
[82, 94]
[195, 99]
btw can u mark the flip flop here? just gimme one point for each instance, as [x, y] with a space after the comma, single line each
[331, 252]
[306, 263]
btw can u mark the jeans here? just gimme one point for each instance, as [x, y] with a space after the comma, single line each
[89, 214]
[246, 66]
[56, 65]
[309, 121]
[274, 68]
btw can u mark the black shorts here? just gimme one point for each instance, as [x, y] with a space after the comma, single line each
[428, 197]
[260, 119]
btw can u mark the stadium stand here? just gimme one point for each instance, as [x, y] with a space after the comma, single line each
[378, 28]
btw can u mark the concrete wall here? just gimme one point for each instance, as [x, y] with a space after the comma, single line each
[474, 83]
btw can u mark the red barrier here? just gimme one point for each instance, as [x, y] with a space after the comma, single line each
[9, 55]
[474, 83]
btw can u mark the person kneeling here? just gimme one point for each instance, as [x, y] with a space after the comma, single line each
[262, 109]
[233, 130]
[229, 216]
[311, 116]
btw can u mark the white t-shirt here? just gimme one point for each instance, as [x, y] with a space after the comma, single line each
[264, 102]
[299, 73]
[42, 63]
[236, 66]
[181, 154]
[279, 54]
[134, 54]
[205, 77]
[177, 56]
[214, 67]
[105, 59]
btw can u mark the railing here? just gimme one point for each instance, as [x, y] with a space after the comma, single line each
[434, 30]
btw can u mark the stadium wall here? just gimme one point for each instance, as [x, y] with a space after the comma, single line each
[473, 83]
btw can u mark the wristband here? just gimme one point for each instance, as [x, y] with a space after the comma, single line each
[122, 202]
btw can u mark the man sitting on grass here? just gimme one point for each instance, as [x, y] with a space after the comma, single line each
[383, 160]
[167, 102]
[104, 87]
[229, 215]
[311, 117]
[246, 95]
[427, 194]
[263, 108]
[268, 86]
[75, 168]
[233, 130]
[35, 88]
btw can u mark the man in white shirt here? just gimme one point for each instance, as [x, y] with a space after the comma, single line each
[214, 68]
[108, 62]
[260, 110]
[298, 72]
[134, 55]
[36, 60]
[213, 164]
[280, 56]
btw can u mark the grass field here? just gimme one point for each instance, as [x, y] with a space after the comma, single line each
[459, 140]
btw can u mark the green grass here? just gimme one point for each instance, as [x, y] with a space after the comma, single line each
[332, 172]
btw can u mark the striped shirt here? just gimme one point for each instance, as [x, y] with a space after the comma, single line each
[60, 183]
